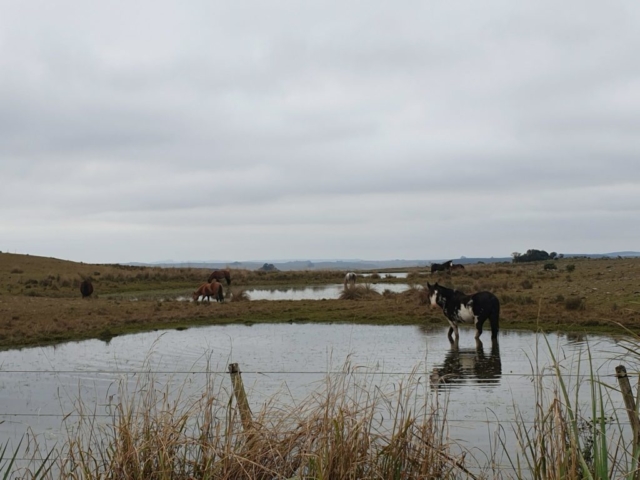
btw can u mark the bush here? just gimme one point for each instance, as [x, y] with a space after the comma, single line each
[550, 266]
[237, 296]
[571, 268]
[532, 255]
[574, 303]
[358, 292]
[527, 284]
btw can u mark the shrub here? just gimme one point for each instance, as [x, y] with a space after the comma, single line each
[574, 303]
[527, 284]
[532, 255]
[570, 268]
[237, 296]
[358, 292]
[550, 266]
[17, 270]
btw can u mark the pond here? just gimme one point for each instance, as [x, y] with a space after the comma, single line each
[485, 385]
[387, 274]
[319, 292]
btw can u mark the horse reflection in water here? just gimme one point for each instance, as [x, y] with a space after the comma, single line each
[468, 364]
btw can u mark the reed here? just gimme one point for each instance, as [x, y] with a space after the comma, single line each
[568, 437]
[359, 292]
[351, 427]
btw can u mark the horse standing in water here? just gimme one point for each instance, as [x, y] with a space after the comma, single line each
[441, 267]
[208, 290]
[219, 275]
[350, 279]
[458, 307]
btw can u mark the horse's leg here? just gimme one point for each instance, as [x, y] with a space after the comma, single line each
[479, 323]
[453, 328]
[494, 319]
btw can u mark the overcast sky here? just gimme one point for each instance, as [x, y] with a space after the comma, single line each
[268, 130]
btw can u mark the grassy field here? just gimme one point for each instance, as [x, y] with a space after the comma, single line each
[40, 302]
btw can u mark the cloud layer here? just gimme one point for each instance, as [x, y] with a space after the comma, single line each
[278, 130]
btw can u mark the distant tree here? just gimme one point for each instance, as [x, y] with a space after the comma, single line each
[532, 255]
[515, 255]
[269, 267]
[553, 255]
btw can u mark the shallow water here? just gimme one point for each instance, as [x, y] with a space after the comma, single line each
[319, 292]
[484, 384]
[387, 275]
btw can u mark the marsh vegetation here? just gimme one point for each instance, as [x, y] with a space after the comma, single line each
[40, 300]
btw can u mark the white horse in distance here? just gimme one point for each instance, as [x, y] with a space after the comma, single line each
[350, 279]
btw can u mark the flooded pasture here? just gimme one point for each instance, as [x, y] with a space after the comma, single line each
[484, 385]
[319, 292]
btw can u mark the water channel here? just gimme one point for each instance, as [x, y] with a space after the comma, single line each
[485, 385]
[320, 292]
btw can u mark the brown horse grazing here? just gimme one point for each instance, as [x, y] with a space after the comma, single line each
[208, 290]
[219, 275]
[86, 288]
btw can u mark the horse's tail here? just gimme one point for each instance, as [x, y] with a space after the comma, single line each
[494, 318]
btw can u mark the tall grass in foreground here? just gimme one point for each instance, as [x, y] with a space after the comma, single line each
[566, 442]
[350, 428]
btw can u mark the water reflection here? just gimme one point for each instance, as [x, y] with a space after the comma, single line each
[317, 292]
[468, 364]
[387, 275]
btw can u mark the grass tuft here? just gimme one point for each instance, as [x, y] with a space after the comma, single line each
[359, 292]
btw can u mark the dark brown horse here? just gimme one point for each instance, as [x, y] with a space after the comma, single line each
[208, 290]
[457, 266]
[441, 267]
[86, 288]
[219, 275]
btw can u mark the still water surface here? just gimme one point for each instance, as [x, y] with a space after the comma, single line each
[484, 384]
[328, 292]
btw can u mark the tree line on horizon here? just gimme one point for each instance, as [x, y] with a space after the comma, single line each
[533, 255]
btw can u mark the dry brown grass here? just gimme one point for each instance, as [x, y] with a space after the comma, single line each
[353, 427]
[43, 305]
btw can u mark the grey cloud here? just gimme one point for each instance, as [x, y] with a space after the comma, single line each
[262, 116]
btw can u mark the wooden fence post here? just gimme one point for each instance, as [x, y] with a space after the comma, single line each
[630, 406]
[241, 397]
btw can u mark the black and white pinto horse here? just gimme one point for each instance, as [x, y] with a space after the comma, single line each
[458, 307]
[441, 267]
[350, 279]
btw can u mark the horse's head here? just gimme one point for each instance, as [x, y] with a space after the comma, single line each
[434, 294]
[195, 295]
[227, 276]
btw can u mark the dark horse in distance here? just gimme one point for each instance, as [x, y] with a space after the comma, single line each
[441, 267]
[458, 307]
[219, 275]
[86, 288]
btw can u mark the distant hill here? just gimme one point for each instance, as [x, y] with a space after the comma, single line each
[357, 264]
[323, 264]
[602, 255]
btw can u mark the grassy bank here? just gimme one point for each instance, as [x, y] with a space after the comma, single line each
[40, 302]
